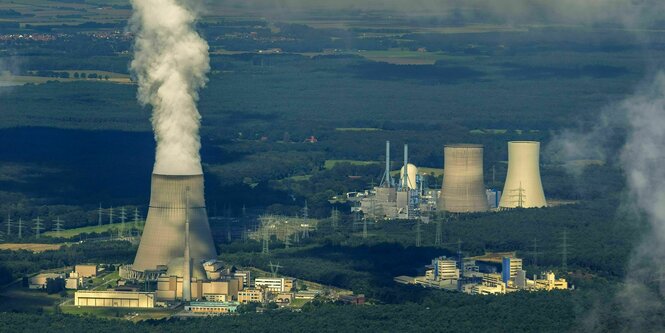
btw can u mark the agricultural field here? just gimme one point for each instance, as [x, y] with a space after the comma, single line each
[32, 247]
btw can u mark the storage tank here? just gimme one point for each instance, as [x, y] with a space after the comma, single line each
[163, 238]
[523, 187]
[411, 172]
[463, 188]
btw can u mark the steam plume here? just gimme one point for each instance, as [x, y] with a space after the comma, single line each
[171, 62]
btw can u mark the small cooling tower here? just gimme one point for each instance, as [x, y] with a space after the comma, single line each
[463, 185]
[523, 187]
[410, 180]
[163, 237]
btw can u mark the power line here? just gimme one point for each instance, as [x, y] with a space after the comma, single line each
[334, 219]
[99, 215]
[564, 251]
[38, 226]
[58, 227]
[9, 224]
[418, 235]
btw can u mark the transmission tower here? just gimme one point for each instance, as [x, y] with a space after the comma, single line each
[9, 225]
[334, 219]
[111, 215]
[265, 241]
[58, 226]
[418, 235]
[518, 198]
[305, 211]
[438, 237]
[535, 252]
[20, 228]
[564, 251]
[123, 218]
[459, 255]
[305, 231]
[99, 215]
[38, 226]
[274, 268]
[287, 237]
[137, 218]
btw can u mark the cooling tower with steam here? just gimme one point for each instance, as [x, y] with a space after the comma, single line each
[463, 186]
[163, 237]
[523, 187]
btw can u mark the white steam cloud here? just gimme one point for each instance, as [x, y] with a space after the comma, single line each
[171, 62]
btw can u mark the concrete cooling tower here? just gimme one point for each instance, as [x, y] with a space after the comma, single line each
[463, 188]
[410, 180]
[163, 237]
[523, 187]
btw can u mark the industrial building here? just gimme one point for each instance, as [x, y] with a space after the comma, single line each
[250, 295]
[276, 285]
[463, 189]
[115, 299]
[86, 271]
[407, 199]
[212, 307]
[208, 281]
[493, 273]
[523, 187]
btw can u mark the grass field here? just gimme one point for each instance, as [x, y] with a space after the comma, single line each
[329, 164]
[357, 129]
[119, 313]
[69, 233]
[34, 247]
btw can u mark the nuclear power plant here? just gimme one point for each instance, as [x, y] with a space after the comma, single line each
[174, 200]
[523, 188]
[463, 189]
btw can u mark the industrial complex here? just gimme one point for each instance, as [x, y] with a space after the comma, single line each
[176, 262]
[493, 273]
[463, 188]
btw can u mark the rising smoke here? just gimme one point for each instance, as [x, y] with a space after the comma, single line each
[171, 62]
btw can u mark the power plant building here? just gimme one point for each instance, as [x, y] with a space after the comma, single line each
[523, 187]
[463, 189]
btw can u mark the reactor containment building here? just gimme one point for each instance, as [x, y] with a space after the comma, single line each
[523, 187]
[463, 188]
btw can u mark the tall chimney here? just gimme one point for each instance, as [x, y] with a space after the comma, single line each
[386, 180]
[187, 269]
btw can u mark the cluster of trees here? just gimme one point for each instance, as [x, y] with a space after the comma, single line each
[15, 264]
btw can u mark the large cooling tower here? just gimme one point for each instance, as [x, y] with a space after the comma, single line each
[463, 186]
[523, 187]
[164, 233]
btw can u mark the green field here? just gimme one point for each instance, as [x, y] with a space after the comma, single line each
[119, 313]
[69, 233]
[329, 164]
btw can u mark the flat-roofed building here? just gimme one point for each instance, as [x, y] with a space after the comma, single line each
[212, 307]
[250, 295]
[169, 288]
[115, 299]
[39, 281]
[276, 285]
[86, 271]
